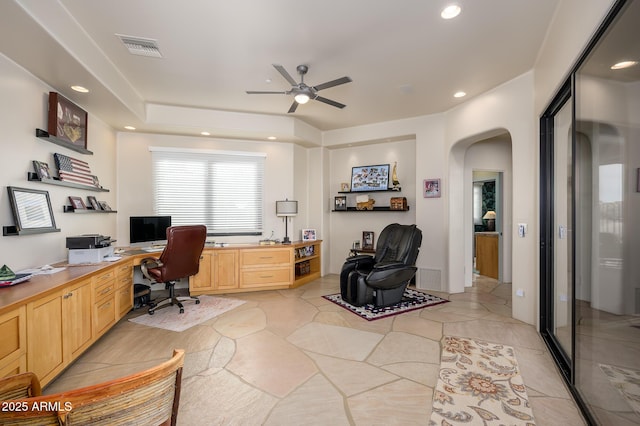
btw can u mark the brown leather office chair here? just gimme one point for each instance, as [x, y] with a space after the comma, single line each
[179, 259]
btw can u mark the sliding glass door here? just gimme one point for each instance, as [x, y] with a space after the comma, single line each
[590, 225]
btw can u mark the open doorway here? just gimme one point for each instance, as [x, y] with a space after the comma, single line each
[488, 228]
[487, 223]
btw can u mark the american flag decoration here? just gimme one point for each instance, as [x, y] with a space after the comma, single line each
[73, 170]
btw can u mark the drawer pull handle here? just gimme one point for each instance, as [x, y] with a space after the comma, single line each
[266, 257]
[68, 295]
[106, 290]
[266, 276]
[106, 305]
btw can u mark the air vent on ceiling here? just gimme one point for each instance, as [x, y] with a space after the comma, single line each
[141, 46]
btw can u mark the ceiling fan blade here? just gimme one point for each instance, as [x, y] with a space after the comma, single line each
[258, 92]
[293, 107]
[330, 102]
[285, 74]
[332, 83]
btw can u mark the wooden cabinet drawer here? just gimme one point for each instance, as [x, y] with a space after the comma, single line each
[103, 290]
[105, 276]
[104, 314]
[124, 269]
[264, 257]
[265, 277]
[124, 300]
[13, 345]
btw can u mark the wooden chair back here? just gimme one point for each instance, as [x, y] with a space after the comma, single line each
[150, 397]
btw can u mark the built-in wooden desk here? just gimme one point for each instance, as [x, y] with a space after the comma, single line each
[48, 321]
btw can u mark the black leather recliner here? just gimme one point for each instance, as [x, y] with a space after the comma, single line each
[382, 279]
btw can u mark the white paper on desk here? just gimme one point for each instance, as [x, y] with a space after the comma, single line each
[40, 271]
[112, 258]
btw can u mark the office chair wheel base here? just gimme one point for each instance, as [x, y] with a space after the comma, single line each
[181, 311]
[151, 312]
[197, 301]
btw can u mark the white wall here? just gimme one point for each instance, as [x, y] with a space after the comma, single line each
[24, 108]
[135, 183]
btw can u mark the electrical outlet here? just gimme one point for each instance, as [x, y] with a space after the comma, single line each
[520, 292]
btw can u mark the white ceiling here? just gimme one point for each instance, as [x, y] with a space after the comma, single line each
[404, 60]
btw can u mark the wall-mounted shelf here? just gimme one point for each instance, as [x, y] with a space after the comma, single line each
[33, 177]
[70, 209]
[375, 209]
[370, 192]
[13, 230]
[44, 135]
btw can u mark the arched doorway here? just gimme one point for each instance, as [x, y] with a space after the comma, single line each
[490, 151]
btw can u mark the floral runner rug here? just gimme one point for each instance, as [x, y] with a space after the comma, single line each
[627, 382]
[479, 384]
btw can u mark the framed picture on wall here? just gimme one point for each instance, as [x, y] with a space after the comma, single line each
[67, 121]
[31, 210]
[340, 203]
[370, 178]
[431, 188]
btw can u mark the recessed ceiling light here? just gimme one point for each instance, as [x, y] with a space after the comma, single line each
[80, 89]
[272, 138]
[459, 94]
[129, 127]
[205, 133]
[450, 11]
[623, 64]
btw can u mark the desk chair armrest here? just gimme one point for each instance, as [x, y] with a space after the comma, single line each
[149, 262]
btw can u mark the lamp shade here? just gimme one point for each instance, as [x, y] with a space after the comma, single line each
[489, 215]
[286, 208]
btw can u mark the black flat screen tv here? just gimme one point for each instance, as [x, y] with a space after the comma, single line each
[148, 230]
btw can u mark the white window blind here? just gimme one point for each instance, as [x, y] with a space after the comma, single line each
[223, 191]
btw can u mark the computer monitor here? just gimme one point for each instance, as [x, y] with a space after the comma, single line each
[148, 230]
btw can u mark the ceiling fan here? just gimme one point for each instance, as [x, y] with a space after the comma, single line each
[301, 92]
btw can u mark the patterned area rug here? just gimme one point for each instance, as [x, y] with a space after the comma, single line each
[411, 300]
[170, 317]
[627, 382]
[480, 384]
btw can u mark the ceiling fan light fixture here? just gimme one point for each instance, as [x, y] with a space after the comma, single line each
[302, 98]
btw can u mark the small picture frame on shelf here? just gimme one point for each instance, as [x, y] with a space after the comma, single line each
[93, 202]
[308, 235]
[67, 121]
[104, 206]
[340, 203]
[367, 240]
[42, 170]
[77, 203]
[344, 187]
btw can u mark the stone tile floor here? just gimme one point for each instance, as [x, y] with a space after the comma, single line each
[290, 357]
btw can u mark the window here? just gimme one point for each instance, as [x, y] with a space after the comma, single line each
[222, 190]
